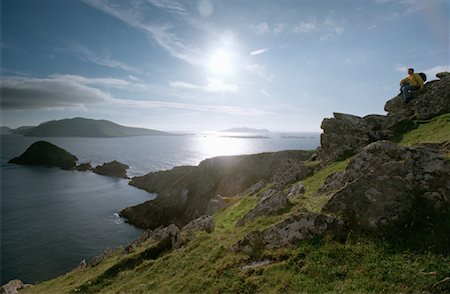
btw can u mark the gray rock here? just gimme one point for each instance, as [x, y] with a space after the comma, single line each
[185, 193]
[296, 191]
[112, 169]
[434, 101]
[272, 202]
[204, 223]
[13, 287]
[215, 204]
[96, 260]
[255, 188]
[383, 182]
[160, 233]
[347, 134]
[289, 232]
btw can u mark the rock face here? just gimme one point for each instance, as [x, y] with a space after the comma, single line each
[45, 153]
[296, 191]
[289, 232]
[272, 202]
[385, 182]
[84, 167]
[204, 223]
[13, 287]
[434, 101]
[113, 169]
[346, 134]
[156, 235]
[185, 193]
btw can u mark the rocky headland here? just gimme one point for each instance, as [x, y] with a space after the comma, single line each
[368, 211]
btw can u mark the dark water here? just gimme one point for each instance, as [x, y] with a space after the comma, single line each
[52, 219]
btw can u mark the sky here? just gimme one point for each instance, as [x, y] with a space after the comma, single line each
[198, 65]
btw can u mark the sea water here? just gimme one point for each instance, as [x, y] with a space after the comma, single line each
[52, 219]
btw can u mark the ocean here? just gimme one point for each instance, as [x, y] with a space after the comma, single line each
[52, 219]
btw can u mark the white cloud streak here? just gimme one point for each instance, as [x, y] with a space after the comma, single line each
[213, 85]
[259, 51]
[104, 59]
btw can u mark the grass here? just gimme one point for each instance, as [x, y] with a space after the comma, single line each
[435, 130]
[207, 264]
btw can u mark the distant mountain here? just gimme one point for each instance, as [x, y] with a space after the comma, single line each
[5, 130]
[83, 127]
[246, 130]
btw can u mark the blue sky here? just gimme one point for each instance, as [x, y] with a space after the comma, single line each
[198, 65]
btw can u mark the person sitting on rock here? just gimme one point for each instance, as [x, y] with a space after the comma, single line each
[410, 84]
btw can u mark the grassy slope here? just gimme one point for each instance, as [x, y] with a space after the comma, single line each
[208, 265]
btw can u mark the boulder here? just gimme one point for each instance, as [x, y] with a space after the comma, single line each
[346, 134]
[112, 169]
[204, 223]
[435, 100]
[272, 202]
[385, 182]
[13, 287]
[289, 232]
[255, 188]
[47, 154]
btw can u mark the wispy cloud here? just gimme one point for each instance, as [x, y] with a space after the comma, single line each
[213, 85]
[170, 6]
[262, 28]
[104, 59]
[259, 51]
[70, 91]
[161, 33]
[305, 27]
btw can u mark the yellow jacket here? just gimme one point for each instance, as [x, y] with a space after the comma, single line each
[413, 80]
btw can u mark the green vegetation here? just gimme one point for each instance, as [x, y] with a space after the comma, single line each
[208, 264]
[435, 130]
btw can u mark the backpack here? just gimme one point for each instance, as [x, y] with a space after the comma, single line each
[423, 76]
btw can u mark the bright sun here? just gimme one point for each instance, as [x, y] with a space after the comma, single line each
[220, 62]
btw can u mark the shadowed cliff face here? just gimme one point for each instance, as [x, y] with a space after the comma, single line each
[187, 192]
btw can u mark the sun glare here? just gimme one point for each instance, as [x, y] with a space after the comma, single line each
[220, 62]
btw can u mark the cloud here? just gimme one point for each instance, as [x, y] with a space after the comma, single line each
[233, 110]
[305, 27]
[213, 85]
[104, 59]
[262, 28]
[69, 91]
[19, 93]
[259, 51]
[431, 72]
[170, 6]
[279, 27]
[161, 33]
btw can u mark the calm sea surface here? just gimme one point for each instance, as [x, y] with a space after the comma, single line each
[52, 219]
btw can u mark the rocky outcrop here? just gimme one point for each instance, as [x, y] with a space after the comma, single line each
[47, 154]
[84, 167]
[346, 134]
[112, 169]
[153, 236]
[272, 202]
[296, 191]
[185, 193]
[435, 100]
[13, 287]
[289, 232]
[204, 223]
[385, 183]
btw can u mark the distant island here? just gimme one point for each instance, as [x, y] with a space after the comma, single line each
[246, 130]
[83, 127]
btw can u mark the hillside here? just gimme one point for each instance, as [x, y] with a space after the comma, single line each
[82, 127]
[368, 212]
